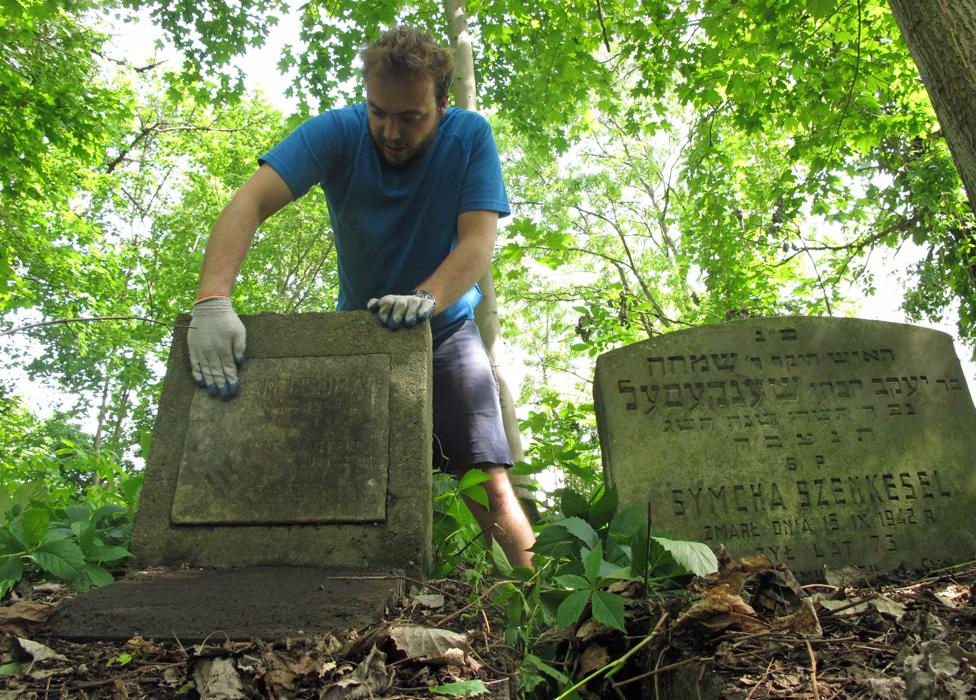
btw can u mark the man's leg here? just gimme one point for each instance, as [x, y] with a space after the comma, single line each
[469, 430]
[504, 519]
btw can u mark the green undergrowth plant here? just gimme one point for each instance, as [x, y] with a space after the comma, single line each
[578, 558]
[457, 535]
[66, 516]
[589, 560]
[76, 545]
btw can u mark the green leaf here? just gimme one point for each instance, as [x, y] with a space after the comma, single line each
[592, 559]
[614, 571]
[35, 522]
[500, 560]
[696, 557]
[628, 521]
[77, 514]
[477, 494]
[11, 571]
[92, 576]
[543, 667]
[11, 669]
[85, 533]
[573, 504]
[57, 533]
[471, 478]
[63, 559]
[820, 9]
[608, 608]
[638, 550]
[9, 543]
[108, 553]
[580, 529]
[554, 541]
[571, 609]
[603, 509]
[462, 689]
[122, 659]
[573, 582]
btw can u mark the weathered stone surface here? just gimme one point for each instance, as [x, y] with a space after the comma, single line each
[240, 604]
[818, 441]
[300, 425]
[324, 459]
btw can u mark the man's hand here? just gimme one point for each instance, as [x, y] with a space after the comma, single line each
[216, 340]
[407, 310]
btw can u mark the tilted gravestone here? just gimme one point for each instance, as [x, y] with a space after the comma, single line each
[818, 441]
[323, 459]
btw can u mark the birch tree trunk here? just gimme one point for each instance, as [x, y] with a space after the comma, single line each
[486, 315]
[941, 36]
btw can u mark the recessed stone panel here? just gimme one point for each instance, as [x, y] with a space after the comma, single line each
[274, 455]
[818, 441]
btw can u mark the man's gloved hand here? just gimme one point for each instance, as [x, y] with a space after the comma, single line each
[216, 340]
[407, 310]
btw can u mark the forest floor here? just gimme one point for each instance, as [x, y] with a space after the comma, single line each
[749, 631]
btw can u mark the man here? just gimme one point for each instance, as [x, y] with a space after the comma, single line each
[414, 191]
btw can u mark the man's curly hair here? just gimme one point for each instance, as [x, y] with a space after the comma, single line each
[410, 51]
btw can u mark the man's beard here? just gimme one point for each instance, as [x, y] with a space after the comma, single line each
[416, 153]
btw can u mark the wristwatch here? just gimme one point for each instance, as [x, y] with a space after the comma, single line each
[424, 294]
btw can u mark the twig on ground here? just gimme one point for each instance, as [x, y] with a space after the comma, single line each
[762, 680]
[657, 665]
[813, 671]
[663, 669]
[616, 663]
[459, 611]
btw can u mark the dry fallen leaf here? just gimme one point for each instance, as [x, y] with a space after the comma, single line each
[841, 608]
[429, 644]
[718, 610]
[18, 618]
[593, 657]
[844, 576]
[142, 646]
[217, 679]
[430, 600]
[277, 670]
[803, 621]
[591, 628]
[371, 678]
[887, 606]
[39, 652]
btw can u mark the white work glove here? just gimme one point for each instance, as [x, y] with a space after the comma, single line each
[406, 310]
[216, 340]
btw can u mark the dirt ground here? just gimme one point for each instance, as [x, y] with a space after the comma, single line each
[749, 631]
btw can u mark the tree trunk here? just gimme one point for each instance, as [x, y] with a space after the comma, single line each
[941, 35]
[486, 315]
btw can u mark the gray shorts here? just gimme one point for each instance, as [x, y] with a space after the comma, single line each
[468, 429]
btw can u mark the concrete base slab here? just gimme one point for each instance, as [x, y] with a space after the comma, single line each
[239, 604]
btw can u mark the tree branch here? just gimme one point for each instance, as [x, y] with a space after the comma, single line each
[62, 321]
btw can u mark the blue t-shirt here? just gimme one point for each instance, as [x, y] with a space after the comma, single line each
[393, 227]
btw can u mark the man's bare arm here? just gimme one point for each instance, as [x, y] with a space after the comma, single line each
[260, 197]
[467, 262]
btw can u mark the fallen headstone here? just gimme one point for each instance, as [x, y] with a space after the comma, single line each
[239, 604]
[817, 441]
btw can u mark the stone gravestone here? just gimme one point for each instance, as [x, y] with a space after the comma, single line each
[323, 459]
[817, 441]
[300, 500]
